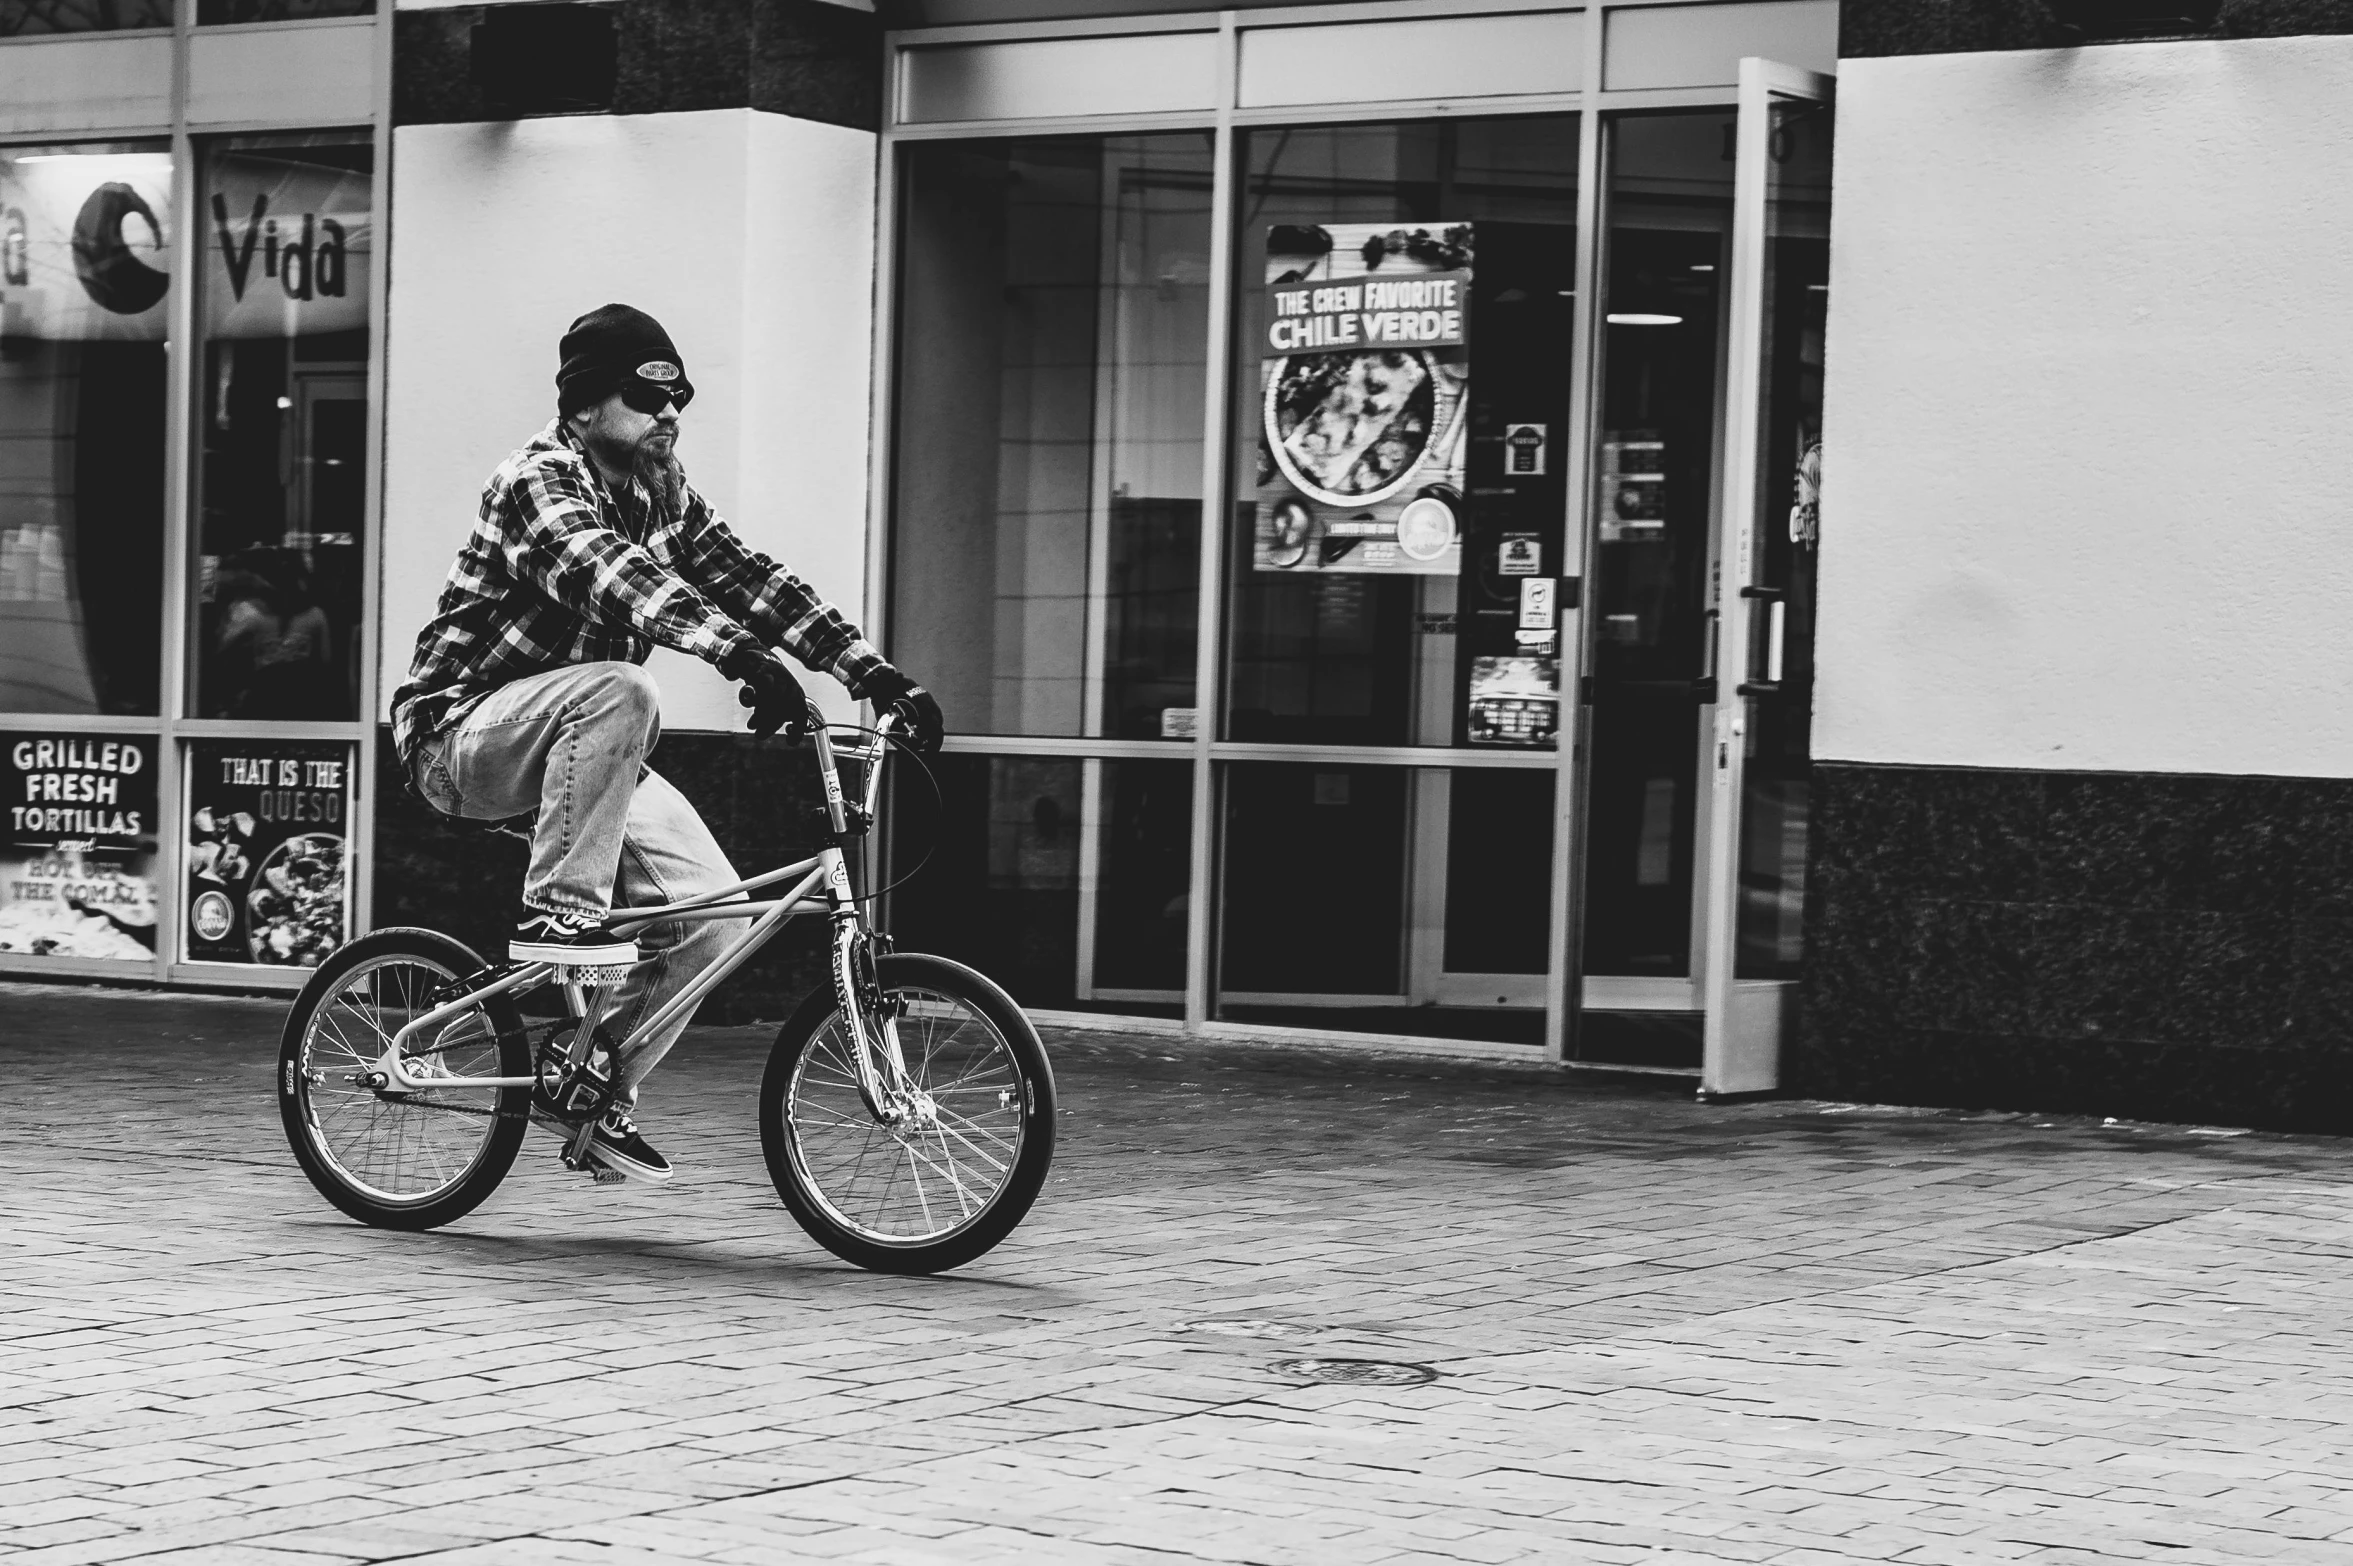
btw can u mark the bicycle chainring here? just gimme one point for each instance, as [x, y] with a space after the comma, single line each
[573, 1094]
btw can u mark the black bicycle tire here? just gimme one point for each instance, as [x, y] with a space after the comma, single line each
[509, 1119]
[1020, 1190]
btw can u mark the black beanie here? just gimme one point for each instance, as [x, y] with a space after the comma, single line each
[609, 347]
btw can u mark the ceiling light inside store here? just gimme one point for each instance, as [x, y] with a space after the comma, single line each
[1643, 318]
[140, 160]
[1703, 266]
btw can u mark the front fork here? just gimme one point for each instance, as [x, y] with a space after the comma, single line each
[875, 1053]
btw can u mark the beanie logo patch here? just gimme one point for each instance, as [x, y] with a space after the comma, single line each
[657, 370]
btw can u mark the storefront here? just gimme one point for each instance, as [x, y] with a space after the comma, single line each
[1241, 382]
[1352, 472]
[189, 304]
[1342, 475]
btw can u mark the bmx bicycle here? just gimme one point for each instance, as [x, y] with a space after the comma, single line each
[906, 1113]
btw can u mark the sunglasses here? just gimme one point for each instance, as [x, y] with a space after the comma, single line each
[653, 396]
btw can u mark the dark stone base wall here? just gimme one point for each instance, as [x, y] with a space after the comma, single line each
[1890, 27]
[2141, 945]
[465, 881]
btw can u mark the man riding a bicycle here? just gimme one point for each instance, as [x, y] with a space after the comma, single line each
[528, 689]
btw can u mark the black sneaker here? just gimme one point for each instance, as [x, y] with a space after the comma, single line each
[618, 1146]
[577, 940]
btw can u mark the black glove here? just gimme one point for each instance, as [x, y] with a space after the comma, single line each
[769, 689]
[893, 692]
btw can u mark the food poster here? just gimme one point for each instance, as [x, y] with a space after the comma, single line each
[1365, 399]
[77, 869]
[1514, 700]
[85, 243]
[268, 874]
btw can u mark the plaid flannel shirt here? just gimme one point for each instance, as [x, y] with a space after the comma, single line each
[561, 569]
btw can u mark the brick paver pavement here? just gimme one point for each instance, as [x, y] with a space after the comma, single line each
[1783, 1332]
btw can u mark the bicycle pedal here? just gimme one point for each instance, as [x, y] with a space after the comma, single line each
[604, 1176]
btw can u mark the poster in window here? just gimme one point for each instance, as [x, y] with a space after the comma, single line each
[287, 239]
[1514, 700]
[85, 241]
[77, 869]
[1365, 383]
[268, 877]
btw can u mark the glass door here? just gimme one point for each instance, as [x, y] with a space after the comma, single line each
[1649, 677]
[1395, 552]
[1753, 839]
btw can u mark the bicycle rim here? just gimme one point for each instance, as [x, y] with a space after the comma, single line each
[931, 1179]
[397, 1149]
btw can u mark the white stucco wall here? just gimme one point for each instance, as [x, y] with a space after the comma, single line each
[2088, 477]
[749, 236]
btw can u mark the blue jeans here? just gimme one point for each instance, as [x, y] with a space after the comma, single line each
[612, 832]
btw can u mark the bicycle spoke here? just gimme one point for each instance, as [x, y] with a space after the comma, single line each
[934, 1172]
[399, 1146]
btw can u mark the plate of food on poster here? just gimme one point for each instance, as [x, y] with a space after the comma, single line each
[1366, 382]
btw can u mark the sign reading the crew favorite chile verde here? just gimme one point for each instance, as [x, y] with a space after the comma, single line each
[267, 873]
[1366, 383]
[77, 864]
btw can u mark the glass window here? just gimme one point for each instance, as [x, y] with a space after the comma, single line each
[1400, 400]
[211, 13]
[1670, 229]
[1387, 899]
[281, 463]
[22, 18]
[1064, 880]
[1052, 335]
[85, 245]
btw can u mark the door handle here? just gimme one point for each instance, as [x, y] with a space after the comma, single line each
[1776, 603]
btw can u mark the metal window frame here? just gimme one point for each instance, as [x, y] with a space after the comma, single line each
[1595, 106]
[170, 728]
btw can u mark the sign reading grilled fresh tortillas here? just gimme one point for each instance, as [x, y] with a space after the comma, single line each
[1366, 391]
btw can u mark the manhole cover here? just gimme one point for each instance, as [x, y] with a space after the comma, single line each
[1358, 1372]
[1251, 1329]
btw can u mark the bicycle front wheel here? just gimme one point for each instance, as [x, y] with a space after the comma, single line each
[401, 1160]
[943, 1183]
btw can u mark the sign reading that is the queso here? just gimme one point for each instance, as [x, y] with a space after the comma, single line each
[1366, 381]
[77, 861]
[268, 877]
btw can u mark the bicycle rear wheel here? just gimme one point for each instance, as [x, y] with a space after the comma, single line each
[951, 1180]
[400, 1160]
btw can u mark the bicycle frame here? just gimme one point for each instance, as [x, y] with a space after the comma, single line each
[826, 872]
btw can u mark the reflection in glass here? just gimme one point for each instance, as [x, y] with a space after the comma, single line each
[1670, 205]
[282, 458]
[1052, 335]
[24, 18]
[1350, 624]
[1775, 780]
[84, 270]
[1063, 880]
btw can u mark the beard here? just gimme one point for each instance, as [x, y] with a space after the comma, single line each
[655, 465]
[650, 461]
